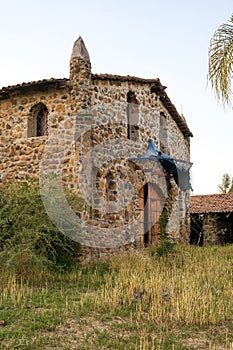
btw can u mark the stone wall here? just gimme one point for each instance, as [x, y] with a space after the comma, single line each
[89, 144]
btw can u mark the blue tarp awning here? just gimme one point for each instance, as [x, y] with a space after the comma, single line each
[171, 165]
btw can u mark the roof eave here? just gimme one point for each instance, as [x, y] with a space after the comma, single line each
[156, 87]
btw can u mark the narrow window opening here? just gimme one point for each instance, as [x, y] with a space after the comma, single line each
[132, 117]
[38, 121]
[42, 122]
[163, 133]
[111, 190]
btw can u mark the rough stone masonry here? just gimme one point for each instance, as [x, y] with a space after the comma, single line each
[83, 131]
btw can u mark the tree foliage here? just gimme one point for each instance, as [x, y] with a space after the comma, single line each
[227, 184]
[221, 62]
[27, 236]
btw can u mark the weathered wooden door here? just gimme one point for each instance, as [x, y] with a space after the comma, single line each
[150, 206]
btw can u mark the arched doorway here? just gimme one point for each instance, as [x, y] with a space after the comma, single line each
[151, 203]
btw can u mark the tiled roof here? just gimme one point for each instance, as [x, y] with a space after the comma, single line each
[40, 84]
[155, 84]
[175, 115]
[211, 203]
[61, 82]
[124, 78]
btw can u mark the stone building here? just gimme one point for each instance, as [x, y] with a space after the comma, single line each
[82, 133]
[211, 219]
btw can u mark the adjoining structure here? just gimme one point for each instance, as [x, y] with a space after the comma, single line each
[86, 129]
[211, 219]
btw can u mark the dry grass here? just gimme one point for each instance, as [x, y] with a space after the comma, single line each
[190, 286]
[180, 300]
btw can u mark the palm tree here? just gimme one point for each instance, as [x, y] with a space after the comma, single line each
[221, 61]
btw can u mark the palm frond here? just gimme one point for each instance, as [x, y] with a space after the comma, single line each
[221, 62]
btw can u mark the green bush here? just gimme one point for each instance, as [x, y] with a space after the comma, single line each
[164, 246]
[28, 239]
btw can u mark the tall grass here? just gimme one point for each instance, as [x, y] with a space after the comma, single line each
[181, 300]
[189, 286]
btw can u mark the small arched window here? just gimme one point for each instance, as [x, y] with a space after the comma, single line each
[38, 121]
[132, 116]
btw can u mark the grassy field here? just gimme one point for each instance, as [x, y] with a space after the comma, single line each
[143, 301]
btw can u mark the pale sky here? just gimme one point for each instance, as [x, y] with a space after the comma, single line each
[148, 38]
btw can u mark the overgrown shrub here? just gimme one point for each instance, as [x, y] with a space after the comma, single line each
[28, 239]
[164, 246]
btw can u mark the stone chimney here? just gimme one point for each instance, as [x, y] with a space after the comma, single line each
[80, 77]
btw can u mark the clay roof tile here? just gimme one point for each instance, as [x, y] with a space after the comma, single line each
[211, 203]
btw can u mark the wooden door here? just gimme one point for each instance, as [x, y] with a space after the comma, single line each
[150, 206]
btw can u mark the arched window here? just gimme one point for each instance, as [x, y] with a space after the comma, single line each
[38, 121]
[132, 116]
